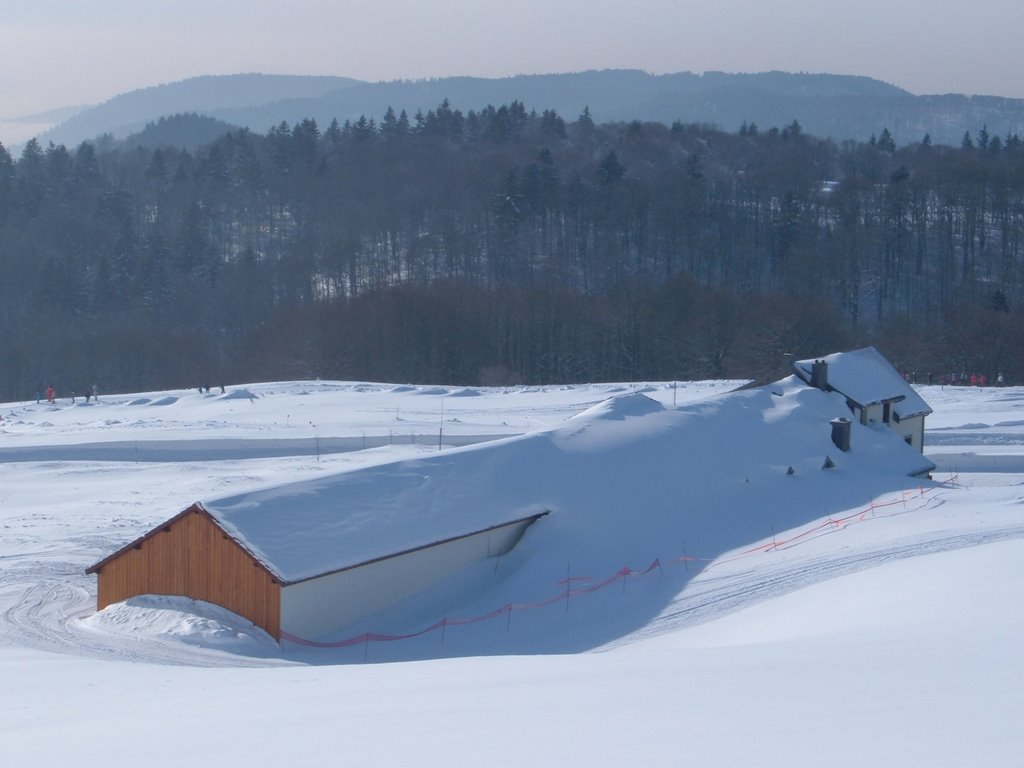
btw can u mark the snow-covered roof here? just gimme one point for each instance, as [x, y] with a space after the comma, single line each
[303, 530]
[307, 529]
[866, 377]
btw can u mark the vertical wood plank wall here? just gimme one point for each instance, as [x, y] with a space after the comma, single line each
[194, 558]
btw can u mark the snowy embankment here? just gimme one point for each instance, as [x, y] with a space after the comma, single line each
[842, 616]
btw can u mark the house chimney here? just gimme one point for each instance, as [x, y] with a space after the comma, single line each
[841, 429]
[819, 375]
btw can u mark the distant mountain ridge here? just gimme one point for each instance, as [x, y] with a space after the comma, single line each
[58, 115]
[131, 112]
[836, 106]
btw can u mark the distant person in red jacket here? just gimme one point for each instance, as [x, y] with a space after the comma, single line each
[50, 394]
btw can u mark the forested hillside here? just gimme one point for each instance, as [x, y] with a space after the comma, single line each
[504, 246]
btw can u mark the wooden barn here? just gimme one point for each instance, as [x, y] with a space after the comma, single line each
[307, 559]
[875, 392]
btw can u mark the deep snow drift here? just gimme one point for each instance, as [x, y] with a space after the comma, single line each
[744, 612]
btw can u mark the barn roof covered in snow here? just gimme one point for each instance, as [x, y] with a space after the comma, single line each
[310, 528]
[867, 378]
[303, 530]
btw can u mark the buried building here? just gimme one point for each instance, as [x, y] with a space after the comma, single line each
[289, 562]
[623, 479]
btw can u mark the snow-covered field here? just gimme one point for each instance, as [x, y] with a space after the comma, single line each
[846, 617]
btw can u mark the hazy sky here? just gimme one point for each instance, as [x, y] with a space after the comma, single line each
[56, 53]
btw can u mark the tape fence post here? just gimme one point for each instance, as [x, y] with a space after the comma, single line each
[568, 586]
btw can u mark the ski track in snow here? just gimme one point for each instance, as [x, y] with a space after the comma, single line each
[46, 617]
[709, 597]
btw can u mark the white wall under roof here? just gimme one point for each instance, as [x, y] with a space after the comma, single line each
[910, 429]
[323, 605]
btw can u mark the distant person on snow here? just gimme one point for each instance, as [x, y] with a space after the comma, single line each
[50, 395]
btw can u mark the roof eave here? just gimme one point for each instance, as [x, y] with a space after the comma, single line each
[96, 567]
[198, 508]
[528, 518]
[926, 412]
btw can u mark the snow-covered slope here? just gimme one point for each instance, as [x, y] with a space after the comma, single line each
[742, 611]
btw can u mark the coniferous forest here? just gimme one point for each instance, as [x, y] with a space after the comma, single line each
[504, 246]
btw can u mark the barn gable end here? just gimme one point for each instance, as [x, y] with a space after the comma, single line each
[191, 555]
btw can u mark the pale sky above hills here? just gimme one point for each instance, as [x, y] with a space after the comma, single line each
[56, 53]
